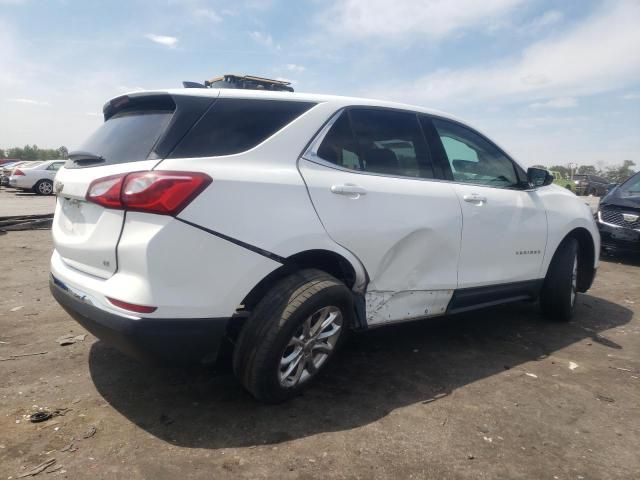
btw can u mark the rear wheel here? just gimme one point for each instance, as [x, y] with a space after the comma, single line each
[43, 187]
[291, 334]
[560, 288]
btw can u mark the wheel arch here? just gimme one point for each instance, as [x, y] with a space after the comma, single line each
[586, 256]
[328, 261]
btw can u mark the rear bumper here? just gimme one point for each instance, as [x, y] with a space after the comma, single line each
[20, 182]
[152, 340]
[624, 240]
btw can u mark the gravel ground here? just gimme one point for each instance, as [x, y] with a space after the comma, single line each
[17, 202]
[495, 394]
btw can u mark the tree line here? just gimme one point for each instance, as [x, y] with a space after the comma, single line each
[32, 152]
[613, 173]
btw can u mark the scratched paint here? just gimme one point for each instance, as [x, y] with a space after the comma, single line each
[387, 306]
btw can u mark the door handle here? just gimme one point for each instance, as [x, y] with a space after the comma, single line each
[475, 198]
[349, 190]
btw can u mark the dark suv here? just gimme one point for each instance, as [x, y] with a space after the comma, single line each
[619, 217]
[590, 185]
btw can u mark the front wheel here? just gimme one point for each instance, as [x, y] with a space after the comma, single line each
[560, 287]
[291, 334]
[43, 187]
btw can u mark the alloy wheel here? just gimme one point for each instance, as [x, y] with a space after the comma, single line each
[310, 346]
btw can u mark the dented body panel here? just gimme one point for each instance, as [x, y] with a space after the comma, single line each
[388, 307]
[405, 231]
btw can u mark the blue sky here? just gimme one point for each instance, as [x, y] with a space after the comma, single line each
[551, 81]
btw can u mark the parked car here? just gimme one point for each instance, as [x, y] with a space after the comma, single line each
[619, 217]
[37, 178]
[6, 161]
[7, 169]
[590, 185]
[273, 223]
[4, 179]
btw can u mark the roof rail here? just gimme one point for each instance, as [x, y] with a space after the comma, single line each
[248, 82]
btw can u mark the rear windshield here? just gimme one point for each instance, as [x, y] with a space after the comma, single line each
[234, 125]
[128, 136]
[229, 126]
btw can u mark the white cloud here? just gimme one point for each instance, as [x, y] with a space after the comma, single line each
[162, 39]
[283, 79]
[30, 101]
[407, 19]
[207, 14]
[597, 55]
[631, 96]
[126, 89]
[547, 19]
[264, 39]
[292, 67]
[560, 102]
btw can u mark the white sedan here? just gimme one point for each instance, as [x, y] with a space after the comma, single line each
[39, 179]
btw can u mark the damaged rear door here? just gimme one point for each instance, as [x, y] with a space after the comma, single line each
[376, 190]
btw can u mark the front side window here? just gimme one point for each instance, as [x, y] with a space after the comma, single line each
[378, 141]
[472, 158]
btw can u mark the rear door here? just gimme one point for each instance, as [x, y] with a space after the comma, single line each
[139, 130]
[372, 182]
[504, 230]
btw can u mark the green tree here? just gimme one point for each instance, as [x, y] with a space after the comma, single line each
[564, 171]
[587, 170]
[2, 154]
[32, 152]
[618, 174]
[63, 152]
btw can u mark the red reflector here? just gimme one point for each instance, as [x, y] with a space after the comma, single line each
[132, 307]
[161, 192]
[19, 172]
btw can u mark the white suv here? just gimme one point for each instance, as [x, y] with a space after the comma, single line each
[276, 222]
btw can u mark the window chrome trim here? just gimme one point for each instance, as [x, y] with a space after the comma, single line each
[311, 152]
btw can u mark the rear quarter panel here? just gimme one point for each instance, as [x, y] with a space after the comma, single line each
[259, 196]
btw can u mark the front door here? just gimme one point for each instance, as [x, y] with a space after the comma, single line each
[371, 180]
[504, 223]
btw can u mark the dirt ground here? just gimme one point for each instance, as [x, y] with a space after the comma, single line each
[495, 394]
[16, 202]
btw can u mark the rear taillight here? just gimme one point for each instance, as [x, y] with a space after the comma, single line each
[18, 172]
[132, 307]
[165, 193]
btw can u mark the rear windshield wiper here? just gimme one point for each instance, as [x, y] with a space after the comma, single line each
[85, 159]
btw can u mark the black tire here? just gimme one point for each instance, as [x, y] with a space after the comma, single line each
[559, 290]
[43, 187]
[273, 323]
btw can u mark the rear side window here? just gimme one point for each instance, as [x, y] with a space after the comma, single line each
[235, 125]
[378, 141]
[55, 166]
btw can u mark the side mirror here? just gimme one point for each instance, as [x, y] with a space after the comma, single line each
[539, 177]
